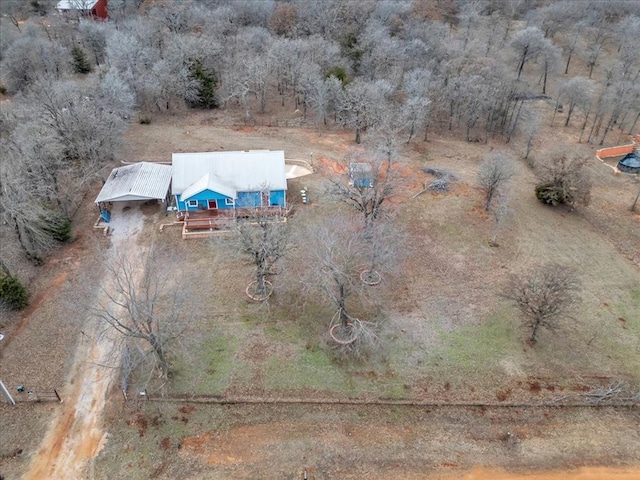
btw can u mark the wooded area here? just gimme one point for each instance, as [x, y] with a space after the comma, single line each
[390, 71]
[427, 245]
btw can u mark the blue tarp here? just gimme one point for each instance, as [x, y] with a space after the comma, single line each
[105, 214]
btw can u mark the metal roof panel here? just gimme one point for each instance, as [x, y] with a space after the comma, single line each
[240, 171]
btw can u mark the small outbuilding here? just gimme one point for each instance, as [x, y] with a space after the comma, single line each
[360, 175]
[87, 8]
[141, 181]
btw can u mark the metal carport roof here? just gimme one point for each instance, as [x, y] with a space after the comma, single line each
[139, 181]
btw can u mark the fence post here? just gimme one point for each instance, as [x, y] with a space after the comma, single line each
[7, 394]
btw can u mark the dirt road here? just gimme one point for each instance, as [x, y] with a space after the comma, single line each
[586, 473]
[77, 434]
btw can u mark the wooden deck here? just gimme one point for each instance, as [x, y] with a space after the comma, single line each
[220, 219]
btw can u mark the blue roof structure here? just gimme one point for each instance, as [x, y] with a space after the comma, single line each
[630, 163]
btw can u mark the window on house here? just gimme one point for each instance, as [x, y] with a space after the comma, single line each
[228, 201]
[192, 203]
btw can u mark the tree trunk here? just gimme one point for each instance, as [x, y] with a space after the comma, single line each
[529, 145]
[160, 355]
[534, 332]
[522, 61]
[633, 125]
[584, 125]
[571, 107]
[487, 203]
[555, 109]
[610, 123]
[411, 131]
[515, 123]
[263, 100]
[635, 202]
[344, 318]
[15, 22]
[566, 68]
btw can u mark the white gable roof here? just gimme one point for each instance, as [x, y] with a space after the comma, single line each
[235, 171]
[76, 4]
[207, 182]
[139, 181]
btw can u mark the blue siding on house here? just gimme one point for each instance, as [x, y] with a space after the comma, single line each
[248, 199]
[245, 199]
[202, 198]
[277, 197]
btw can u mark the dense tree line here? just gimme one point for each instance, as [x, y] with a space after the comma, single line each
[386, 70]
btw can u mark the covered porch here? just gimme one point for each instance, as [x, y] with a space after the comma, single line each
[222, 219]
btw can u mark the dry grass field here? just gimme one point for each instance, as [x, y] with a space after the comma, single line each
[448, 336]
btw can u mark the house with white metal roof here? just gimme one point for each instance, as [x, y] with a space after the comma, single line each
[90, 8]
[228, 180]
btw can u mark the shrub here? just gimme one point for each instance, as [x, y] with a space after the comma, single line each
[551, 194]
[207, 83]
[563, 179]
[80, 62]
[144, 120]
[338, 72]
[12, 293]
[57, 226]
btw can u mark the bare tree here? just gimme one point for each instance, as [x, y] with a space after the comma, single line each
[337, 250]
[495, 171]
[383, 244]
[529, 127]
[551, 57]
[143, 302]
[29, 59]
[528, 44]
[264, 240]
[15, 10]
[577, 92]
[563, 179]
[365, 185]
[500, 214]
[598, 32]
[544, 295]
[283, 20]
[363, 104]
[28, 201]
[94, 35]
[417, 84]
[338, 253]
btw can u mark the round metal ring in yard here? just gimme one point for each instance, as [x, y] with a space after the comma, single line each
[370, 277]
[253, 295]
[349, 341]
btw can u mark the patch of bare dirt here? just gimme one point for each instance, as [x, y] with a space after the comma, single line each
[377, 443]
[77, 434]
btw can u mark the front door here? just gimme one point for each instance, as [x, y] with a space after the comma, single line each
[213, 204]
